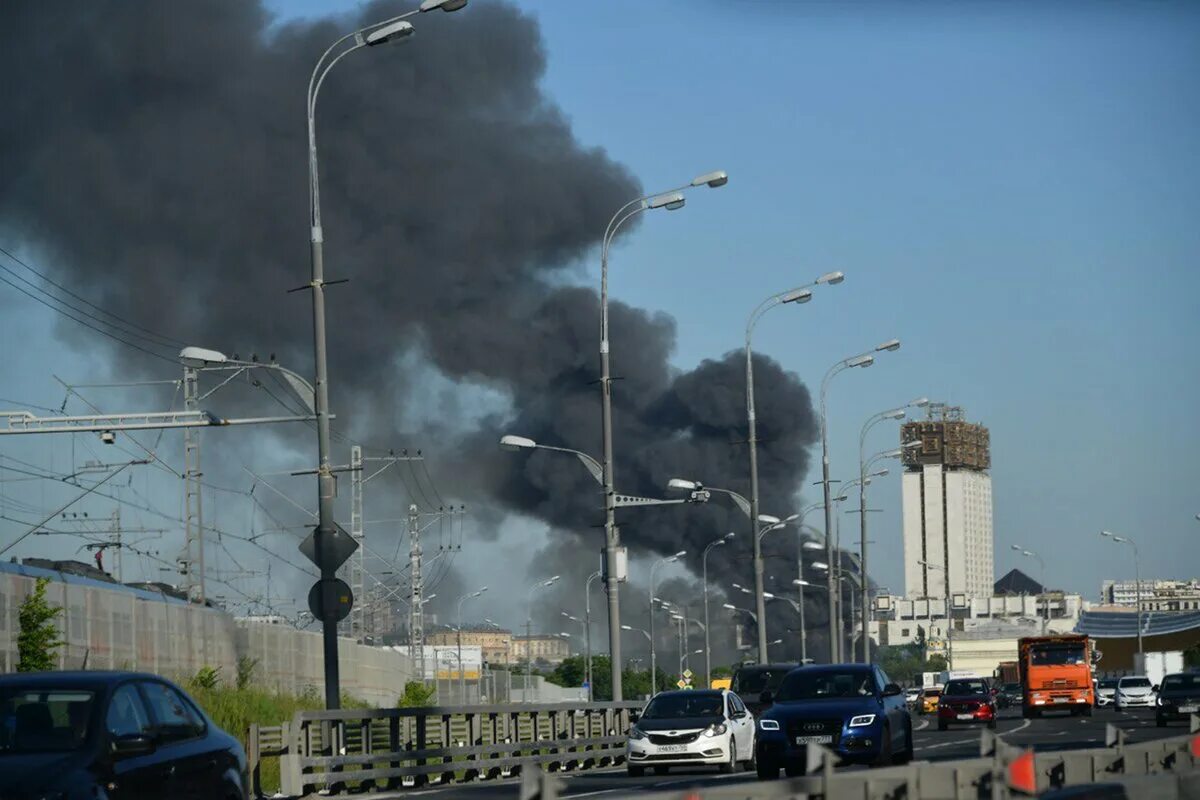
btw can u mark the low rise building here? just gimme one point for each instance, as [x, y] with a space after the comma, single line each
[1157, 595]
[903, 621]
[544, 648]
[495, 643]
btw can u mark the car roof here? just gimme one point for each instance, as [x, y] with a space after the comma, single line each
[73, 678]
[815, 669]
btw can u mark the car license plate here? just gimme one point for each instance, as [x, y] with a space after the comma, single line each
[1188, 709]
[814, 740]
[672, 748]
[966, 716]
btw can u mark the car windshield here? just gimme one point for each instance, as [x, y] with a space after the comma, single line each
[1185, 682]
[756, 681]
[43, 720]
[966, 687]
[1012, 687]
[684, 706]
[1047, 655]
[1135, 683]
[932, 692]
[825, 684]
[1108, 683]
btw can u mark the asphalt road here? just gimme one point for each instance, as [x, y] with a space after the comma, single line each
[1055, 732]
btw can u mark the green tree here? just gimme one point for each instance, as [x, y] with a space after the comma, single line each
[37, 641]
[722, 672]
[936, 663]
[416, 694]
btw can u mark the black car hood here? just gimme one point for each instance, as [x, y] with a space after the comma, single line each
[683, 724]
[1180, 696]
[23, 773]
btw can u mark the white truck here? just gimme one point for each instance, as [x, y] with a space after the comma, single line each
[1156, 666]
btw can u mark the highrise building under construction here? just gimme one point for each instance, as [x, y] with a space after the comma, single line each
[947, 496]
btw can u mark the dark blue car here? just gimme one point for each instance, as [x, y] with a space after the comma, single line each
[852, 709]
[112, 736]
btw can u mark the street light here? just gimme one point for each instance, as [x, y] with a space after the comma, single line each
[1137, 572]
[649, 639]
[587, 621]
[895, 413]
[327, 530]
[863, 360]
[529, 635]
[724, 540]
[800, 583]
[671, 200]
[653, 568]
[462, 678]
[603, 476]
[1042, 579]
[798, 296]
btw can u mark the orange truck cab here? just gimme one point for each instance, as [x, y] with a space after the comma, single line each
[1056, 674]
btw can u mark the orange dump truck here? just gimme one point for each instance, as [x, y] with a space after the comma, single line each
[1056, 674]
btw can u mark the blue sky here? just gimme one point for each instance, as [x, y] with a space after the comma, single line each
[1011, 189]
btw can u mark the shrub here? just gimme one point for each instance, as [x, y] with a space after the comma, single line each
[37, 640]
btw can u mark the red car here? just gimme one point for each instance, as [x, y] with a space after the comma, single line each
[966, 701]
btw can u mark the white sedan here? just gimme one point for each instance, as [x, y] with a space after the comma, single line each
[1135, 691]
[691, 728]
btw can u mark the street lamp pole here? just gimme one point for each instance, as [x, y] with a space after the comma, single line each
[650, 639]
[671, 201]
[654, 567]
[1137, 577]
[462, 678]
[393, 29]
[799, 295]
[897, 413]
[1042, 578]
[861, 360]
[587, 623]
[529, 636]
[949, 621]
[704, 568]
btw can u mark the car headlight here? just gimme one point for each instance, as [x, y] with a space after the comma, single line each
[637, 733]
[862, 720]
[768, 724]
[715, 730]
[1158, 701]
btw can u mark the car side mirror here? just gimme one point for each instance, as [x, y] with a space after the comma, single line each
[766, 697]
[133, 744]
[1155, 687]
[892, 689]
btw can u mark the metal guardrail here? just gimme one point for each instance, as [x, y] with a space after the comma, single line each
[393, 748]
[1163, 769]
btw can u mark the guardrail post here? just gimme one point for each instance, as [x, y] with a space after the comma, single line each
[393, 747]
[422, 743]
[291, 773]
[253, 757]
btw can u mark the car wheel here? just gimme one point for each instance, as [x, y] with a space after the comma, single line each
[942, 725]
[729, 766]
[793, 770]
[661, 770]
[1087, 711]
[906, 755]
[766, 770]
[752, 764]
[1160, 721]
[884, 758]
[635, 772]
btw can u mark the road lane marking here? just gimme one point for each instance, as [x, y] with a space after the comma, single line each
[1020, 727]
[924, 724]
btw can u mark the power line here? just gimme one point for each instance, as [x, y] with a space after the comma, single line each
[64, 289]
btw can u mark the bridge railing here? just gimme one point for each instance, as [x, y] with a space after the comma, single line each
[393, 748]
[1164, 769]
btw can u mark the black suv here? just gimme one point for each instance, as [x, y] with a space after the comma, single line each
[751, 680]
[117, 735]
[1178, 697]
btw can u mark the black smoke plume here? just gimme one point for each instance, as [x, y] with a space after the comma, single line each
[154, 156]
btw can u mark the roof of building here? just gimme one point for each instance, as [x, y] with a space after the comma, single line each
[1124, 624]
[1017, 582]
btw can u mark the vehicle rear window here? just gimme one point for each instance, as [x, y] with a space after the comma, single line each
[1012, 687]
[1108, 683]
[932, 692]
[1135, 683]
[756, 681]
[37, 720]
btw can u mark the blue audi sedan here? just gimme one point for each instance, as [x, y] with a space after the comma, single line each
[852, 709]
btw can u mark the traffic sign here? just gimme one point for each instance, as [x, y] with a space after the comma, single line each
[330, 595]
[681, 683]
[687, 673]
[339, 546]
